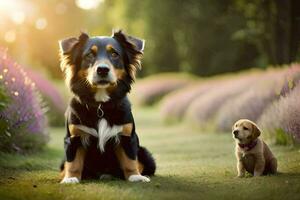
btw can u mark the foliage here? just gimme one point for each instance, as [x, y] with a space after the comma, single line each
[281, 121]
[272, 27]
[194, 36]
[23, 121]
[203, 37]
[3, 98]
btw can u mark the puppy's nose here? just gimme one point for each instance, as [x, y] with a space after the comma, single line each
[102, 70]
[235, 132]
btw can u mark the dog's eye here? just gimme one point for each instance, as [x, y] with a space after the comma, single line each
[245, 128]
[114, 55]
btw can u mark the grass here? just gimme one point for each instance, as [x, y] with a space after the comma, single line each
[191, 165]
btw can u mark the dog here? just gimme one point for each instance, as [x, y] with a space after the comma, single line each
[253, 155]
[100, 136]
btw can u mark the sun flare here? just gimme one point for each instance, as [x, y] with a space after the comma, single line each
[88, 4]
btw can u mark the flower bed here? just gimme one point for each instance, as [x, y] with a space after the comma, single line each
[22, 118]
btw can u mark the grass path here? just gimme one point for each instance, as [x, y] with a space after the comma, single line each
[191, 165]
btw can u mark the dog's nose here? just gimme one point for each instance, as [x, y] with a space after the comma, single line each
[235, 132]
[102, 70]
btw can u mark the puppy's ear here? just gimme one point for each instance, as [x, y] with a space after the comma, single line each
[255, 131]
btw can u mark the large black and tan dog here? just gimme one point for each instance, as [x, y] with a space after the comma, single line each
[100, 130]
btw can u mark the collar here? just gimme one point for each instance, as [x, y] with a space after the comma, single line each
[102, 107]
[248, 146]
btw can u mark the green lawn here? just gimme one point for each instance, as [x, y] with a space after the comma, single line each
[191, 165]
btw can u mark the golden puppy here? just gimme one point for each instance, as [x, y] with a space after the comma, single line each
[253, 155]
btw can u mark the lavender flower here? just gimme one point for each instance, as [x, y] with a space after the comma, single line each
[54, 100]
[24, 115]
[251, 103]
[202, 109]
[152, 89]
[46, 88]
[281, 121]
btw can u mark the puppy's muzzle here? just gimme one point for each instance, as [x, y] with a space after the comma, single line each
[236, 133]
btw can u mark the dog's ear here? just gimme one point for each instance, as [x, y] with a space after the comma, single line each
[70, 48]
[139, 43]
[255, 131]
[68, 44]
[133, 49]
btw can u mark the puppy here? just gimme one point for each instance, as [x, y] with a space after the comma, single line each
[253, 155]
[101, 138]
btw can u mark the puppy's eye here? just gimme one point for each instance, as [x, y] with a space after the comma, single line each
[245, 128]
[114, 55]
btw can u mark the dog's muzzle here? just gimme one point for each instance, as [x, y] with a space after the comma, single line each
[102, 70]
[235, 133]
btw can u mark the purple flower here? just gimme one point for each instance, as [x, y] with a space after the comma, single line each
[46, 88]
[281, 121]
[151, 89]
[251, 103]
[24, 113]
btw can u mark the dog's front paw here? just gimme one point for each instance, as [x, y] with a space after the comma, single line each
[70, 180]
[138, 178]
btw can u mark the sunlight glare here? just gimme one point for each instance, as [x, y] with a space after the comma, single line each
[18, 17]
[88, 4]
[8, 6]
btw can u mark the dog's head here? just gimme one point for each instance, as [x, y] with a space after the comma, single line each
[245, 131]
[103, 62]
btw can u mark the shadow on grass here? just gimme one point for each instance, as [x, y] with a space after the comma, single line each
[48, 158]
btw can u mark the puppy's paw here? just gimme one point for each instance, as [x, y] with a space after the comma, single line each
[70, 180]
[138, 178]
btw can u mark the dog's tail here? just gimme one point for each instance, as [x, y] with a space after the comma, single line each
[146, 158]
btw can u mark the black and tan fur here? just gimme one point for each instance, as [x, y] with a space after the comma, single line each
[101, 137]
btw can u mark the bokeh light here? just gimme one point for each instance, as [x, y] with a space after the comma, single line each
[10, 36]
[41, 23]
[88, 4]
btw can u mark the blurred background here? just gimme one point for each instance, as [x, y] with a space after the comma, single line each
[206, 54]
[203, 37]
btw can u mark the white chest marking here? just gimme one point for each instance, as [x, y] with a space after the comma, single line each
[101, 95]
[105, 132]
